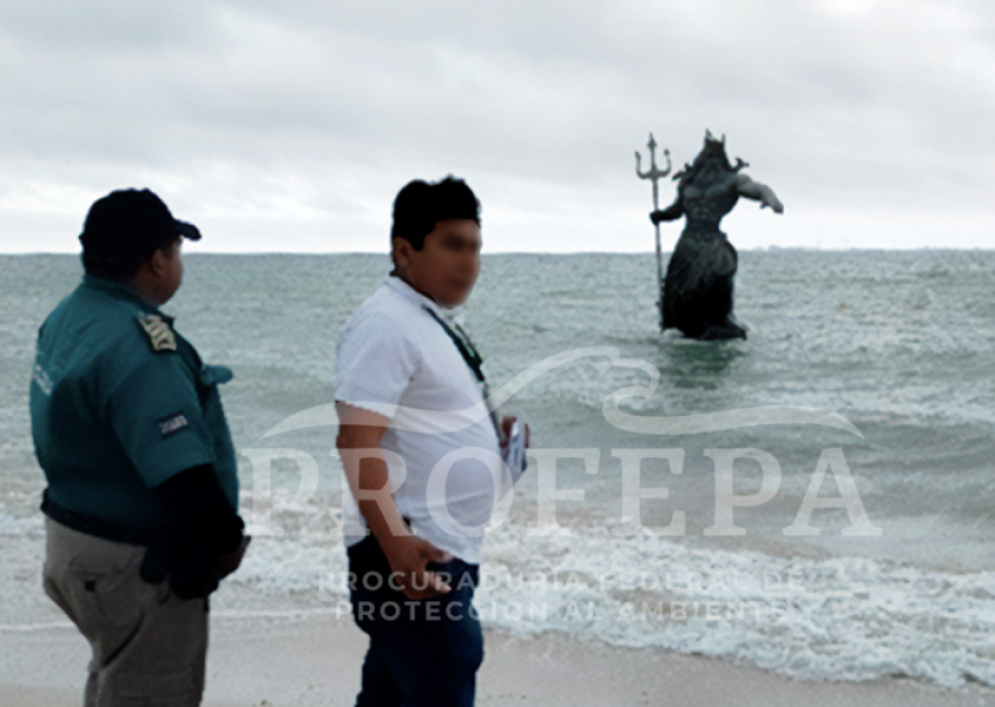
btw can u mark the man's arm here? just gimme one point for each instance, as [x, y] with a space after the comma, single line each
[196, 502]
[155, 412]
[361, 430]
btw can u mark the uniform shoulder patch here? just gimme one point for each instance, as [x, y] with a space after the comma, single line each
[171, 424]
[160, 334]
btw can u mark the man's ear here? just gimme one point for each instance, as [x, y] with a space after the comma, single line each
[158, 263]
[400, 252]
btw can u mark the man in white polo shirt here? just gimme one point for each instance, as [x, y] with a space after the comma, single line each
[422, 452]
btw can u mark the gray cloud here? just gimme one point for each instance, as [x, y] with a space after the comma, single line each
[292, 125]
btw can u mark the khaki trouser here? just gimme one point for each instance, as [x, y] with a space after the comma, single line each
[149, 646]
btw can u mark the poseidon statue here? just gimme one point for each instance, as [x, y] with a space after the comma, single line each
[697, 289]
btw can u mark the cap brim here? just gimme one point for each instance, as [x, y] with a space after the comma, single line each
[187, 230]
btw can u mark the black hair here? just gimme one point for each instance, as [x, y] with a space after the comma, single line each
[420, 205]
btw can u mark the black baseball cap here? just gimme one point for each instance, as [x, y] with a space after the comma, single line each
[131, 223]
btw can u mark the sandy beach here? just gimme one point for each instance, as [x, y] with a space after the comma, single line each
[307, 660]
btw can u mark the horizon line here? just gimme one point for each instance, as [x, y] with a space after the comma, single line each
[188, 254]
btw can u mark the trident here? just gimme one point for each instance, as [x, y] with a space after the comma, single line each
[655, 174]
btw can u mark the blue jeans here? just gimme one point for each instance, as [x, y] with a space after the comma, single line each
[422, 652]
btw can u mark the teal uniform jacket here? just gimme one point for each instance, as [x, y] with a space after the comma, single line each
[119, 404]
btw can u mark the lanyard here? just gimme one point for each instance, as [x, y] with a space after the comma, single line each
[466, 348]
[473, 359]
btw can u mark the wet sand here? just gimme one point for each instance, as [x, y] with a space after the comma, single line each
[310, 660]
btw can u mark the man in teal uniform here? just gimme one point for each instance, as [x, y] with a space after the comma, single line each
[142, 493]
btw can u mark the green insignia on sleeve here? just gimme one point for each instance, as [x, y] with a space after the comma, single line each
[159, 332]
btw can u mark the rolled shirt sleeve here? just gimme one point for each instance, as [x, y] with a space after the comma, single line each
[374, 365]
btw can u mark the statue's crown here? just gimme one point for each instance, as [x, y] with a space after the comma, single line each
[711, 152]
[713, 146]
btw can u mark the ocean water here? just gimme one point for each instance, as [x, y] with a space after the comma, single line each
[899, 343]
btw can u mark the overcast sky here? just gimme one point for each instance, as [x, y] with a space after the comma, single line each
[290, 126]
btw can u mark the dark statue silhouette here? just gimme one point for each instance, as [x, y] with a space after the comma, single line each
[697, 289]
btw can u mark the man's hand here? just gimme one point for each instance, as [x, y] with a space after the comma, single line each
[230, 562]
[408, 556]
[506, 423]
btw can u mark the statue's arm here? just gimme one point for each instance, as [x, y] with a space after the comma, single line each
[671, 213]
[759, 192]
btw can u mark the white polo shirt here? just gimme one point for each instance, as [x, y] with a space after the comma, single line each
[396, 360]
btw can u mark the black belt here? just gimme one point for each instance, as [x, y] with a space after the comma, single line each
[99, 528]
